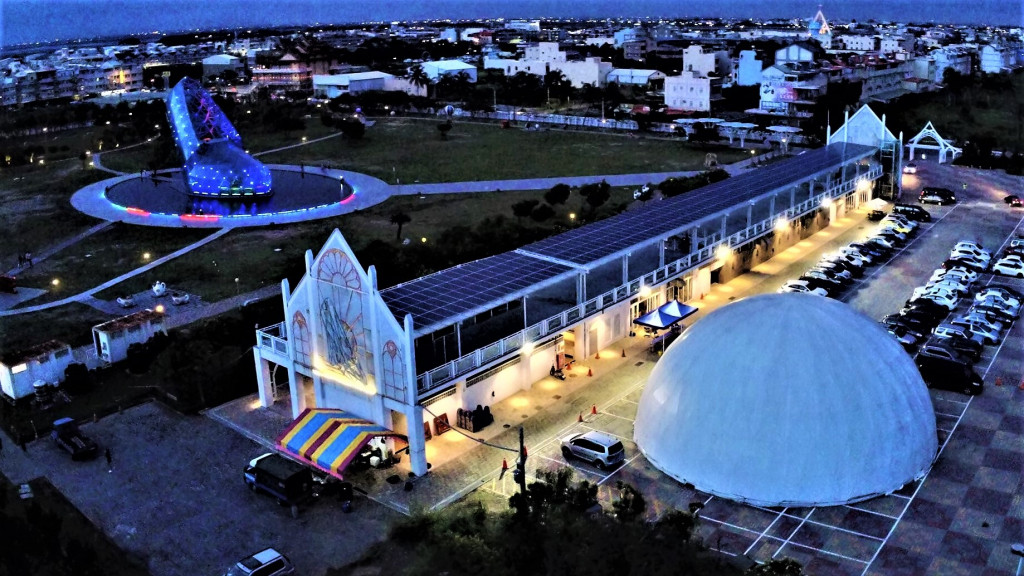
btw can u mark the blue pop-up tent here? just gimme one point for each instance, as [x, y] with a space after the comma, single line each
[677, 308]
[657, 319]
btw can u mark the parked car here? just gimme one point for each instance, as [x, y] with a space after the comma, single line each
[842, 274]
[983, 330]
[913, 325]
[971, 264]
[1008, 291]
[854, 254]
[882, 243]
[829, 286]
[951, 285]
[876, 215]
[874, 251]
[925, 308]
[939, 295]
[940, 196]
[902, 219]
[968, 252]
[910, 168]
[284, 479]
[938, 349]
[949, 330]
[803, 287]
[965, 346]
[971, 244]
[267, 562]
[898, 225]
[824, 280]
[999, 294]
[1011, 265]
[913, 212]
[989, 308]
[601, 450]
[838, 261]
[949, 374]
[1013, 201]
[961, 275]
[69, 438]
[907, 338]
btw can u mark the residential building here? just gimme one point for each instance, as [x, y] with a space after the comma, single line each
[284, 72]
[959, 58]
[690, 91]
[635, 76]
[748, 70]
[789, 91]
[994, 59]
[543, 57]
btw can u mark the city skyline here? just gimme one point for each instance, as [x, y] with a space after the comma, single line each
[30, 21]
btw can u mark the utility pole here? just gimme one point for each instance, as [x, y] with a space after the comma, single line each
[519, 475]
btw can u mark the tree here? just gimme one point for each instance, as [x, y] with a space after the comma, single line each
[352, 128]
[400, 219]
[558, 194]
[596, 194]
[630, 505]
[778, 567]
[543, 213]
[525, 208]
[418, 78]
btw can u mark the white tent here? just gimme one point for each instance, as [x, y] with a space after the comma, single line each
[787, 400]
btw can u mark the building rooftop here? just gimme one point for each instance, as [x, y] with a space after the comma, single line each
[21, 356]
[130, 321]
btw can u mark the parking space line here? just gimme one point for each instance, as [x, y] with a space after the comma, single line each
[765, 533]
[630, 401]
[947, 415]
[822, 524]
[866, 511]
[795, 530]
[615, 416]
[616, 471]
[830, 553]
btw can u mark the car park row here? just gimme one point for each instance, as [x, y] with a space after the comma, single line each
[945, 348]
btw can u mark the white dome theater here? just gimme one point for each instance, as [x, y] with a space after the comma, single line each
[788, 400]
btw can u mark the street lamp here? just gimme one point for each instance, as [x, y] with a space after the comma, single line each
[236, 287]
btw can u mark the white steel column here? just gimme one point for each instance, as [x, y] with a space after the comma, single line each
[263, 380]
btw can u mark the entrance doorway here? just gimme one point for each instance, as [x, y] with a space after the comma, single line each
[565, 350]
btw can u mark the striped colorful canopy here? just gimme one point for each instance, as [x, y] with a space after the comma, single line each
[328, 439]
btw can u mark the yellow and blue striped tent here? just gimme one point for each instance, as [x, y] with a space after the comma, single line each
[328, 439]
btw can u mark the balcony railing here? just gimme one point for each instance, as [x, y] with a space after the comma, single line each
[431, 380]
[273, 338]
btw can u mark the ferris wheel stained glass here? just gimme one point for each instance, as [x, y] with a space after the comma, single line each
[341, 338]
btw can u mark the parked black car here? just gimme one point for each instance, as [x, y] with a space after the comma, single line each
[872, 250]
[68, 437]
[965, 346]
[913, 212]
[893, 321]
[949, 375]
[924, 308]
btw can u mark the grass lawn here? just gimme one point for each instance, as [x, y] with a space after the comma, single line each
[37, 209]
[48, 535]
[107, 254]
[412, 150]
[70, 323]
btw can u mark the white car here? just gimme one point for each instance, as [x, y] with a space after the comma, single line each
[981, 318]
[897, 225]
[910, 168]
[949, 284]
[829, 266]
[970, 244]
[1009, 266]
[854, 253]
[998, 298]
[880, 240]
[995, 305]
[801, 287]
[970, 253]
[981, 330]
[944, 298]
[961, 275]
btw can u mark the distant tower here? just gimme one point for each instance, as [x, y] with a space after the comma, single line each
[819, 30]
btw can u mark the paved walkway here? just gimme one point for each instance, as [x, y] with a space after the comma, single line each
[97, 161]
[53, 249]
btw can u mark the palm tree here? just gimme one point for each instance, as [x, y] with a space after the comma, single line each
[418, 78]
[400, 219]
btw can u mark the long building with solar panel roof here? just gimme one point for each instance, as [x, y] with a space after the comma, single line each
[476, 333]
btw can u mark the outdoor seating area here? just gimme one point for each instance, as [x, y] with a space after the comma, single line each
[666, 317]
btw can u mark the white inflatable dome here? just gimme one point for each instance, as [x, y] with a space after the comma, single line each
[788, 400]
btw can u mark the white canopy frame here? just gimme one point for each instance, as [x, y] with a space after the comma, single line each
[942, 145]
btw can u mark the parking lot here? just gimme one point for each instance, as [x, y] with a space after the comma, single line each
[175, 497]
[961, 518]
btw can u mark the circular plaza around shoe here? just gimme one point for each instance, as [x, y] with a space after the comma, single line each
[788, 400]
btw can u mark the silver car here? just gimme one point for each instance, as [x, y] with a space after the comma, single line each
[599, 449]
[268, 562]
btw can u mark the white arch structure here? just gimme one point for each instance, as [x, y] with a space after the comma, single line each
[942, 145]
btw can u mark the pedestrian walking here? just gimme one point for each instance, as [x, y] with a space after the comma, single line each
[110, 460]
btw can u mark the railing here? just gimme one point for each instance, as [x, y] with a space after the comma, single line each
[273, 338]
[432, 379]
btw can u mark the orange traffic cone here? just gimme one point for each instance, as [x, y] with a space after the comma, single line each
[593, 409]
[999, 380]
[504, 464]
[580, 417]
[590, 372]
[597, 355]
[623, 352]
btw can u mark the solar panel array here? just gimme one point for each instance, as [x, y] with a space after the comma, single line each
[452, 293]
[589, 243]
